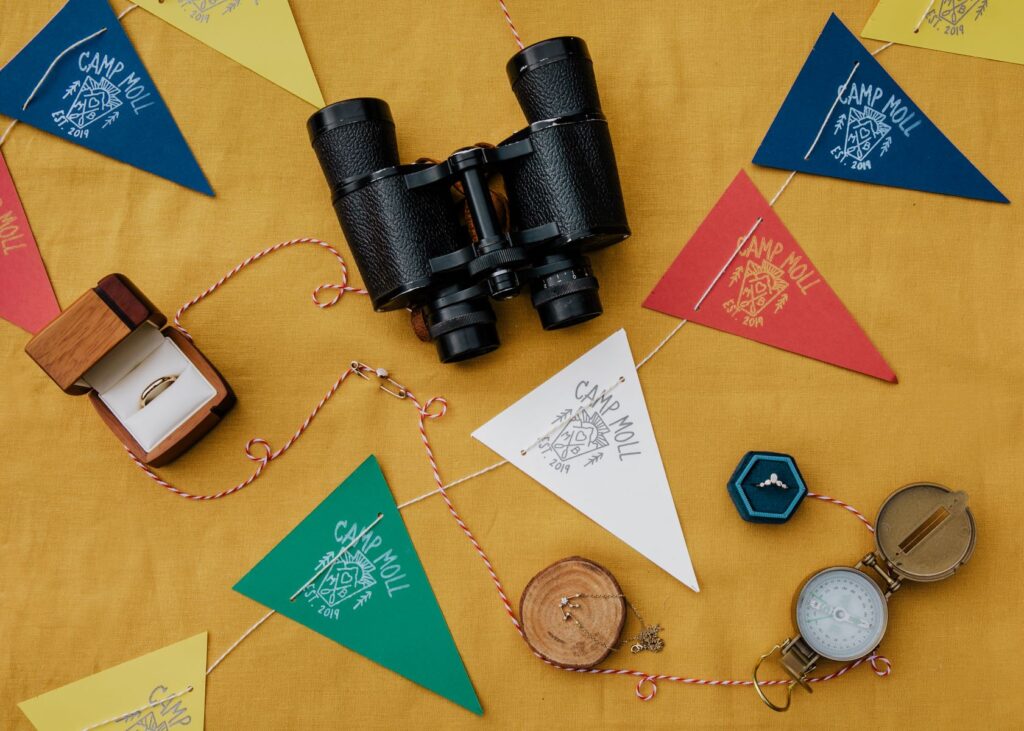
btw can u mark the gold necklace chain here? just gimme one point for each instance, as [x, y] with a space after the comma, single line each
[647, 639]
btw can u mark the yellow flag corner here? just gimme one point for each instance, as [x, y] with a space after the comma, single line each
[163, 689]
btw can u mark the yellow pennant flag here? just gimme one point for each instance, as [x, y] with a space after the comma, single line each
[259, 34]
[162, 690]
[983, 28]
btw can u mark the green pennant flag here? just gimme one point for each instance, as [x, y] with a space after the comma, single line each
[375, 598]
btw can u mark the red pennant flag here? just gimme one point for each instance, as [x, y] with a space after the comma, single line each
[771, 292]
[26, 295]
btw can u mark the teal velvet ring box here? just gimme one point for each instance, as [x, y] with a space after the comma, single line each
[767, 487]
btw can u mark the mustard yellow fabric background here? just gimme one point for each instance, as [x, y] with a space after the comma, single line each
[99, 565]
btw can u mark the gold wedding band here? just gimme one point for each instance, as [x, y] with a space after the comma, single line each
[154, 389]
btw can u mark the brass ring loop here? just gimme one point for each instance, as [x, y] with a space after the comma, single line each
[154, 389]
[760, 693]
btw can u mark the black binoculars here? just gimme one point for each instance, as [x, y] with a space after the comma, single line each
[429, 236]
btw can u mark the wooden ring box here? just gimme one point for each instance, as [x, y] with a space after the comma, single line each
[111, 343]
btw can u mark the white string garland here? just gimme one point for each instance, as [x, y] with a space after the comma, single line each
[3, 137]
[675, 330]
[835, 103]
[917, 28]
[56, 60]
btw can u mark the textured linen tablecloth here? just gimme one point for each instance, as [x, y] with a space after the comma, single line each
[99, 565]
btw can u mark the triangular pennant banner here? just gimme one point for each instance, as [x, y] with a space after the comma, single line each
[375, 599]
[97, 94]
[26, 295]
[588, 438]
[260, 35]
[771, 292]
[874, 134]
[149, 692]
[968, 27]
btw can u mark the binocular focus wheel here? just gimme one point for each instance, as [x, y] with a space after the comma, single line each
[511, 258]
[561, 290]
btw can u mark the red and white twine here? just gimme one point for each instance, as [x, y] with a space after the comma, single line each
[267, 454]
[845, 506]
[880, 665]
[511, 25]
[435, 408]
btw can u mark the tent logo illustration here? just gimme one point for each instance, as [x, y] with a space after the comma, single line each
[585, 433]
[596, 424]
[761, 285]
[349, 576]
[106, 91]
[202, 10]
[950, 15]
[861, 132]
[354, 578]
[93, 99]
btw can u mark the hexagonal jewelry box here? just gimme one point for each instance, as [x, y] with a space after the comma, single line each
[767, 487]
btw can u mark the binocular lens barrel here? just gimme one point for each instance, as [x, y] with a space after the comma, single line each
[564, 291]
[462, 324]
[393, 231]
[570, 178]
[554, 78]
[353, 138]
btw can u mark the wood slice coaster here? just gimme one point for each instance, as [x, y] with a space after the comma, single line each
[560, 640]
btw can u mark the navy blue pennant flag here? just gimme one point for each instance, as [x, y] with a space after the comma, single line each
[98, 94]
[875, 133]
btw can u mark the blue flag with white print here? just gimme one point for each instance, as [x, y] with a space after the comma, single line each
[97, 93]
[874, 134]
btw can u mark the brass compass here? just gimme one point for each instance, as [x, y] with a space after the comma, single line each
[924, 532]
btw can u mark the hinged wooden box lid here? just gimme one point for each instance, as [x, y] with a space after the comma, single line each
[151, 385]
[89, 329]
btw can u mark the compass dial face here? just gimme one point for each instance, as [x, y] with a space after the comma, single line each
[841, 613]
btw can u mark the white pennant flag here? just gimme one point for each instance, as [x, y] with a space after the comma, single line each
[588, 438]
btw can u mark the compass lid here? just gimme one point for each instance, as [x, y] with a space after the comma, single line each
[925, 532]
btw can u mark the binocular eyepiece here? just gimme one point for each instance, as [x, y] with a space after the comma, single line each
[433, 237]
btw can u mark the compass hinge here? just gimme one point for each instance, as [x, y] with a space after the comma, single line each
[798, 660]
[891, 583]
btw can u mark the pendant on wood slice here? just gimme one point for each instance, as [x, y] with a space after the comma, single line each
[573, 613]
